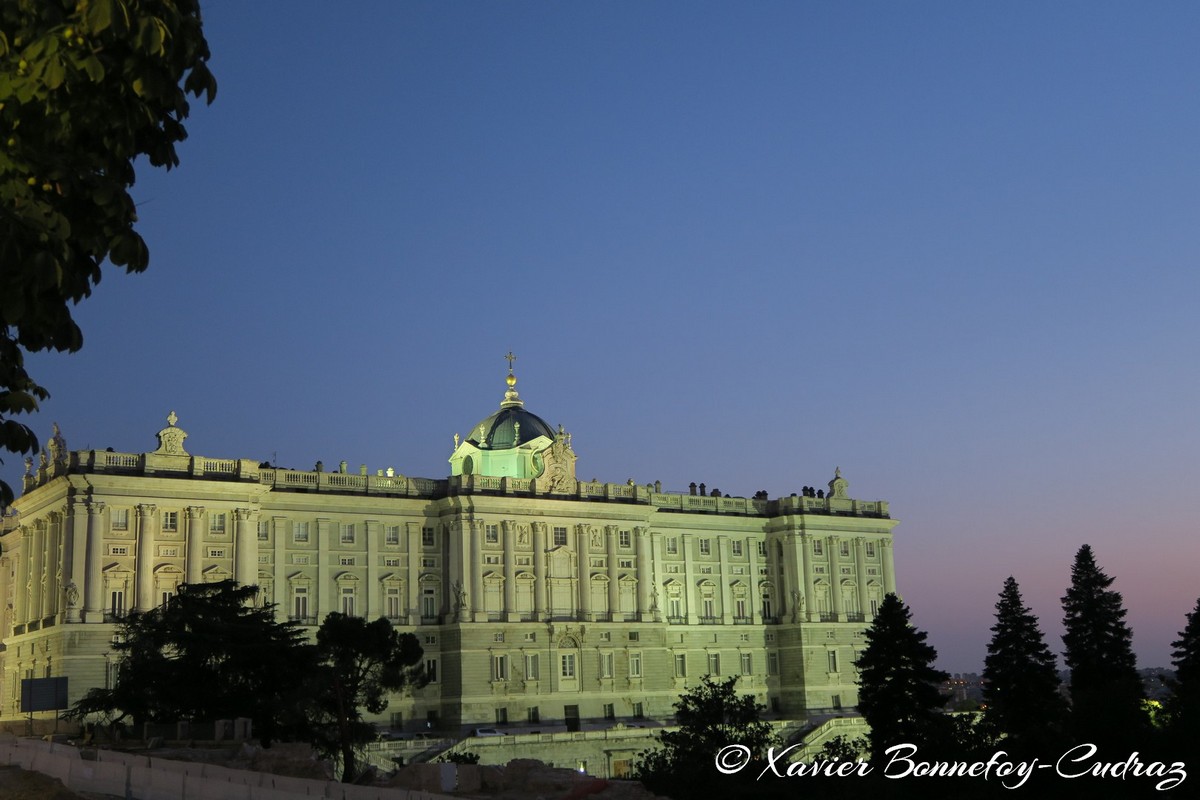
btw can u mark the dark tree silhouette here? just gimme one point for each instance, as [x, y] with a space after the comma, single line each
[898, 691]
[1020, 678]
[86, 88]
[1184, 705]
[711, 716]
[1106, 691]
[208, 654]
[361, 663]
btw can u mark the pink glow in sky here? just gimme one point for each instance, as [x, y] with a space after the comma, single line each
[949, 247]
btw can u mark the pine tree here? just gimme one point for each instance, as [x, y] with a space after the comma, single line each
[1106, 691]
[1184, 705]
[898, 686]
[1020, 681]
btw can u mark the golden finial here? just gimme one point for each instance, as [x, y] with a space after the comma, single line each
[511, 398]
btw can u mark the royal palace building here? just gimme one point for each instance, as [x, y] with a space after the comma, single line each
[538, 598]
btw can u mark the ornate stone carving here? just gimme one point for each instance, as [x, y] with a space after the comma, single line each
[558, 462]
[170, 438]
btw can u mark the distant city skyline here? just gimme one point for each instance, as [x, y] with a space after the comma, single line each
[950, 249]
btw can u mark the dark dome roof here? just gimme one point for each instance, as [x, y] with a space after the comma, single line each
[500, 429]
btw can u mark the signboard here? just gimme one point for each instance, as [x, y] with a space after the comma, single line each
[43, 694]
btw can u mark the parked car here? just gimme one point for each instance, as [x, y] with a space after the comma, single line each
[486, 732]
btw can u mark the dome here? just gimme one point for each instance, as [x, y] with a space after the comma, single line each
[500, 430]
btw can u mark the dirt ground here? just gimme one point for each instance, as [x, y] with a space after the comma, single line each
[19, 784]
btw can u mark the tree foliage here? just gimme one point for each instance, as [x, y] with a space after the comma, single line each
[1106, 691]
[86, 86]
[1020, 677]
[898, 691]
[1184, 705]
[710, 716]
[359, 664]
[207, 654]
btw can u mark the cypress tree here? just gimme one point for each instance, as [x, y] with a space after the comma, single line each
[1020, 680]
[898, 691]
[1106, 691]
[1184, 705]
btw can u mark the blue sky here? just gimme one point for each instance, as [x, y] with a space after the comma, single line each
[949, 247]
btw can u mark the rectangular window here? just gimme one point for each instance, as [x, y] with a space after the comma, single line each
[747, 663]
[672, 546]
[300, 532]
[772, 663]
[624, 539]
[501, 716]
[567, 665]
[170, 521]
[117, 603]
[532, 670]
[264, 530]
[499, 668]
[625, 563]
[348, 602]
[635, 665]
[845, 549]
[392, 535]
[762, 549]
[493, 534]
[347, 534]
[560, 537]
[392, 561]
[168, 552]
[431, 671]
[428, 603]
[120, 519]
[119, 550]
[429, 563]
[870, 549]
[818, 548]
[430, 639]
[609, 711]
[427, 538]
[535, 716]
[346, 561]
[833, 664]
[393, 603]
[638, 711]
[300, 602]
[635, 636]
[606, 665]
[216, 524]
[705, 547]
[531, 637]
[736, 548]
[714, 663]
[498, 637]
[216, 552]
[299, 559]
[680, 665]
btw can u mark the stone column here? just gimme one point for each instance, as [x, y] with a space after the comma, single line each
[860, 559]
[194, 562]
[76, 556]
[614, 578]
[539, 570]
[509, 532]
[690, 555]
[283, 595]
[457, 573]
[52, 597]
[37, 569]
[374, 595]
[325, 589]
[645, 572]
[93, 593]
[412, 546]
[584, 572]
[795, 548]
[755, 594]
[808, 601]
[889, 567]
[477, 608]
[23, 561]
[245, 543]
[835, 577]
[726, 592]
[145, 557]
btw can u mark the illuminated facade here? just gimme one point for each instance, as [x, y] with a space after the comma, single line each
[538, 598]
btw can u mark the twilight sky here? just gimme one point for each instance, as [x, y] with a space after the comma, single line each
[950, 247]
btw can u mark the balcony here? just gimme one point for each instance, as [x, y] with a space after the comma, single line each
[828, 616]
[710, 620]
[302, 620]
[856, 616]
[743, 621]
[770, 620]
[677, 620]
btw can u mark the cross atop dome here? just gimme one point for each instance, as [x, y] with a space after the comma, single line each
[511, 398]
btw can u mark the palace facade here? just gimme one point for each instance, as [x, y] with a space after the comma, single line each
[538, 598]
